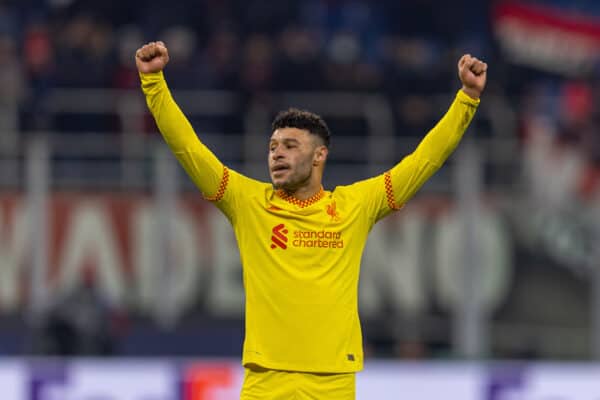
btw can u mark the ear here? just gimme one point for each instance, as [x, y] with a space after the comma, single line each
[320, 157]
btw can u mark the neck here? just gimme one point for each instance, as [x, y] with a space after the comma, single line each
[304, 192]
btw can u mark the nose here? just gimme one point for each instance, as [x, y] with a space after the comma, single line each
[276, 153]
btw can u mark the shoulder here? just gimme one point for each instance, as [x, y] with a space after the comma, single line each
[242, 185]
[360, 188]
[245, 180]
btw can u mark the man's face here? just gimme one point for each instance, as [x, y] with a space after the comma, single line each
[292, 154]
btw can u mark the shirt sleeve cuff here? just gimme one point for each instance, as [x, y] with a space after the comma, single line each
[152, 76]
[465, 98]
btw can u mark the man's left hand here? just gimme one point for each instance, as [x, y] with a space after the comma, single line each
[473, 74]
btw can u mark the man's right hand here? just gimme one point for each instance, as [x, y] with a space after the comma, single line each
[151, 57]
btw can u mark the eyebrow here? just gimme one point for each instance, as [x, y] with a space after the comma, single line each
[285, 140]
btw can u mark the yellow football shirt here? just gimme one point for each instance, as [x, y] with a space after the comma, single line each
[301, 259]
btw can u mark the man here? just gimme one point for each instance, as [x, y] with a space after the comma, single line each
[301, 245]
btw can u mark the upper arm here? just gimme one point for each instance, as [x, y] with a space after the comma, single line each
[389, 191]
[233, 192]
[202, 166]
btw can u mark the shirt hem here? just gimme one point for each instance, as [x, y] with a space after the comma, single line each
[284, 366]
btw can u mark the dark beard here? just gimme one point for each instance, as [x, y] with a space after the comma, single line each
[290, 189]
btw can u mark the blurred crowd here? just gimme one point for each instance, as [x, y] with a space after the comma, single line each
[247, 46]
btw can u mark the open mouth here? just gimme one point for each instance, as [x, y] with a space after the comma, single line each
[280, 168]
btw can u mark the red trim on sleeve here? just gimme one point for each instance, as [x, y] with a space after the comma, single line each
[222, 186]
[389, 192]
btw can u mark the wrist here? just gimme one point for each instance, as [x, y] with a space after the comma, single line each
[471, 92]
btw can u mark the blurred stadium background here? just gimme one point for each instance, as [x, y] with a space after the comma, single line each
[485, 286]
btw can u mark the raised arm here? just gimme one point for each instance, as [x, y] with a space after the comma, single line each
[391, 190]
[203, 167]
[414, 170]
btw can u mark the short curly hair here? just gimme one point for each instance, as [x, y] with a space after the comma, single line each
[302, 119]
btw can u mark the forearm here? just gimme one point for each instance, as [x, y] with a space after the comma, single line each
[471, 92]
[199, 162]
[171, 122]
[441, 141]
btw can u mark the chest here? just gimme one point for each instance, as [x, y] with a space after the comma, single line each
[324, 227]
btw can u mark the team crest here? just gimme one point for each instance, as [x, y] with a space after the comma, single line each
[332, 212]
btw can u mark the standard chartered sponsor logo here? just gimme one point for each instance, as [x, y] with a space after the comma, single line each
[319, 239]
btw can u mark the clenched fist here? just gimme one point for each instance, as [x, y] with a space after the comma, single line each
[151, 57]
[473, 74]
